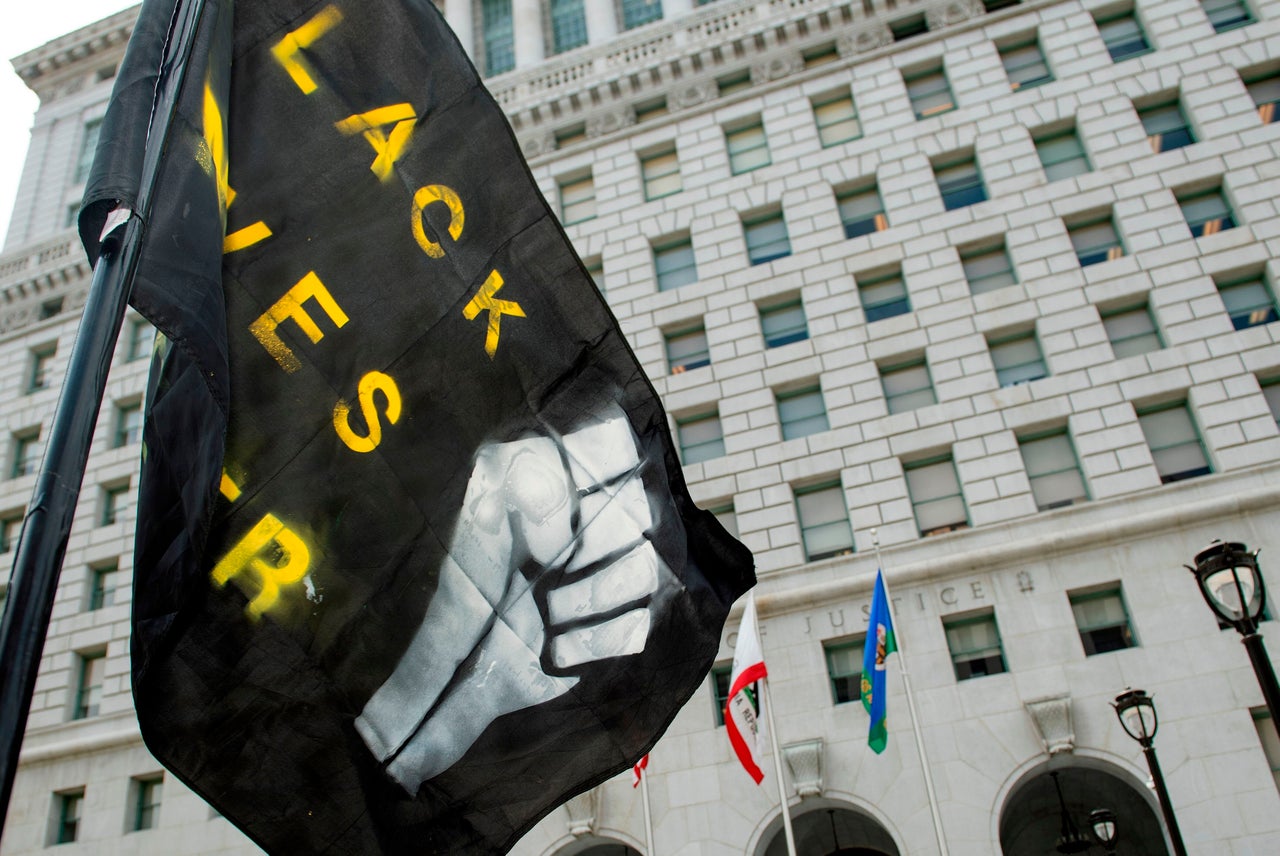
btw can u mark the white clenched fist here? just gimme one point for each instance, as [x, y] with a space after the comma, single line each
[561, 521]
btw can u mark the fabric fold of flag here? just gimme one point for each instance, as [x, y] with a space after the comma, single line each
[415, 559]
[879, 645]
[742, 709]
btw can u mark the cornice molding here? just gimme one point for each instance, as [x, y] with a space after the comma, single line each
[47, 68]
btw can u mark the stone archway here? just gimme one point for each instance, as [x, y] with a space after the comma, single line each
[839, 830]
[598, 846]
[1031, 819]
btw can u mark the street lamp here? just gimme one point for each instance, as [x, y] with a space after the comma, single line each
[1232, 586]
[1137, 715]
[1105, 830]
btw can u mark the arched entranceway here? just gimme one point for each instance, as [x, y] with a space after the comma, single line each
[1031, 822]
[598, 847]
[833, 831]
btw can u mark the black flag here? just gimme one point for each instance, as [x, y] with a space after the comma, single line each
[415, 559]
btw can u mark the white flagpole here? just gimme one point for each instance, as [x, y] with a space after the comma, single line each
[648, 818]
[911, 706]
[767, 702]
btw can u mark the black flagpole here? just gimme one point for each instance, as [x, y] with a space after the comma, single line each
[47, 526]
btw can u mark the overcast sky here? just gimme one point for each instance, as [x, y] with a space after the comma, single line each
[27, 26]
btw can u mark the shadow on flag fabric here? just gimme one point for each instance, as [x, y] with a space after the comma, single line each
[879, 645]
[742, 707]
[415, 559]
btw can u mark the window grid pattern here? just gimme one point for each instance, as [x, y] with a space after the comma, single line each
[1025, 65]
[1102, 620]
[1123, 36]
[103, 582]
[41, 369]
[1226, 14]
[862, 212]
[1207, 213]
[128, 425]
[1166, 126]
[674, 265]
[974, 643]
[70, 809]
[783, 324]
[988, 269]
[688, 350]
[936, 497]
[568, 25]
[1249, 302]
[147, 809]
[837, 120]
[720, 676]
[637, 13]
[93, 669]
[960, 184]
[113, 503]
[577, 200]
[748, 148]
[883, 296]
[1062, 155]
[701, 438]
[1095, 242]
[1132, 331]
[26, 454]
[930, 93]
[907, 386]
[802, 413]
[499, 36]
[661, 174]
[1174, 442]
[1053, 470]
[88, 148]
[824, 522]
[1017, 359]
[844, 668]
[766, 238]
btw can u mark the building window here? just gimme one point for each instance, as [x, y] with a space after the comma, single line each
[114, 499]
[92, 670]
[766, 238]
[1271, 392]
[837, 119]
[26, 453]
[1248, 301]
[687, 350]
[960, 183]
[499, 36]
[1166, 126]
[570, 135]
[1102, 620]
[1062, 155]
[909, 27]
[568, 25]
[1123, 36]
[1132, 331]
[987, 268]
[577, 200]
[1226, 14]
[935, 495]
[51, 307]
[146, 806]
[1206, 212]
[824, 522]
[1269, 739]
[660, 172]
[637, 13]
[783, 324]
[595, 272]
[820, 55]
[1265, 92]
[728, 518]
[10, 530]
[1053, 470]
[674, 265]
[731, 83]
[1025, 64]
[802, 413]
[141, 338]
[1095, 242]
[748, 148]
[38, 376]
[929, 92]
[128, 425]
[68, 808]
[88, 148]
[103, 581]
[883, 295]
[701, 438]
[1017, 359]
[907, 386]
[651, 108]
[720, 676]
[974, 643]
[844, 668]
[1174, 442]
[862, 212]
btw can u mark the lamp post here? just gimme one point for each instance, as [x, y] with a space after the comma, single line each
[1105, 831]
[1232, 585]
[1137, 715]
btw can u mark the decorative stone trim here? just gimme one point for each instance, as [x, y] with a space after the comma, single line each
[1052, 717]
[804, 760]
[583, 810]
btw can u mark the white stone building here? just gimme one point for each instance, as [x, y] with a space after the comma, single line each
[996, 281]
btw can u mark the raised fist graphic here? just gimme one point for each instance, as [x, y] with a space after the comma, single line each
[550, 567]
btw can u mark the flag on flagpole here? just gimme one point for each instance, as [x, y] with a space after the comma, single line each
[416, 561]
[742, 708]
[879, 645]
[639, 770]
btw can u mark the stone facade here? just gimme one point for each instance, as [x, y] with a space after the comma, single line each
[696, 84]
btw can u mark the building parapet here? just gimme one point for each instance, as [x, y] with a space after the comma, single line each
[40, 280]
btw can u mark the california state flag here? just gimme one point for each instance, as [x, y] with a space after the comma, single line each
[741, 709]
